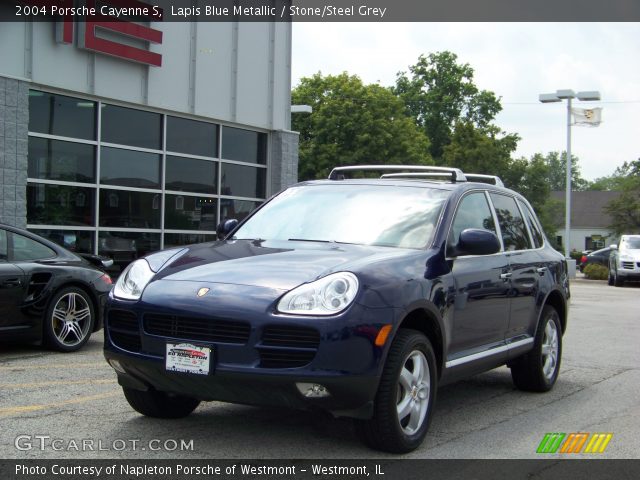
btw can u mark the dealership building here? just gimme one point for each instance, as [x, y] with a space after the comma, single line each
[123, 138]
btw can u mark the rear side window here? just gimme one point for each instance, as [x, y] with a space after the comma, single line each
[25, 249]
[473, 212]
[538, 237]
[514, 232]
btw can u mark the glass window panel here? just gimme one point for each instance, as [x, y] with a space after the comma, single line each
[26, 249]
[473, 212]
[3, 245]
[189, 213]
[178, 239]
[129, 168]
[131, 127]
[191, 175]
[191, 136]
[124, 247]
[80, 241]
[119, 208]
[514, 232]
[61, 115]
[238, 209]
[58, 160]
[244, 145]
[538, 236]
[60, 205]
[242, 181]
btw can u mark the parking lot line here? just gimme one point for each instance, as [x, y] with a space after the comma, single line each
[58, 382]
[7, 411]
[54, 365]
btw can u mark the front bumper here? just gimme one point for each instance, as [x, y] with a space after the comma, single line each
[258, 354]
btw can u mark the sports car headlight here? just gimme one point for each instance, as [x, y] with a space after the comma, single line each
[132, 281]
[327, 296]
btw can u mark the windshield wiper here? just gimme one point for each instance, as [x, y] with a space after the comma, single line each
[310, 240]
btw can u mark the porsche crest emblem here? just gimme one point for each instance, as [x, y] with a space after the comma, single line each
[203, 291]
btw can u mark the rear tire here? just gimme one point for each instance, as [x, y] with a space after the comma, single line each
[405, 397]
[153, 403]
[69, 320]
[537, 370]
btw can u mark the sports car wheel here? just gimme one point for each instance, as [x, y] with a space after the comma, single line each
[69, 320]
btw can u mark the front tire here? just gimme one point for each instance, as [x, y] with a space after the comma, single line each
[69, 320]
[153, 403]
[617, 281]
[405, 397]
[537, 370]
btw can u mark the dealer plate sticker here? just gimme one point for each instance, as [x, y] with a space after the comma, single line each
[188, 358]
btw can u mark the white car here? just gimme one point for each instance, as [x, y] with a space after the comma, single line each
[624, 263]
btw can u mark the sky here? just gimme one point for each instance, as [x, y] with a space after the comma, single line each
[517, 61]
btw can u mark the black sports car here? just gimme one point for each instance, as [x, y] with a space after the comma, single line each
[47, 293]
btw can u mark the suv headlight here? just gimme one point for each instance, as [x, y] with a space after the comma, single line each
[132, 281]
[327, 296]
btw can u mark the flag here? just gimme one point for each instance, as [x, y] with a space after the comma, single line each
[587, 116]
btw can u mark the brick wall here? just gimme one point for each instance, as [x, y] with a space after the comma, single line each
[14, 125]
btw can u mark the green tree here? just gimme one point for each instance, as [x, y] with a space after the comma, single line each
[353, 124]
[557, 163]
[481, 150]
[439, 92]
[625, 210]
[617, 179]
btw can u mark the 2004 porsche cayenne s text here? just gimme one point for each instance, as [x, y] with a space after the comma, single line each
[354, 296]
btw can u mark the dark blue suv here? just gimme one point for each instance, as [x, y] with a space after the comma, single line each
[354, 296]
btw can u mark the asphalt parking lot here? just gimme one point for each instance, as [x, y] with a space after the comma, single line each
[56, 405]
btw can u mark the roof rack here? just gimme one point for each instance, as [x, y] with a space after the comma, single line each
[479, 177]
[455, 174]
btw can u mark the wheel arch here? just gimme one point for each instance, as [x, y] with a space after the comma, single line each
[427, 321]
[556, 300]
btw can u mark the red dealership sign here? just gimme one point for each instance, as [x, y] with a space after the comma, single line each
[108, 16]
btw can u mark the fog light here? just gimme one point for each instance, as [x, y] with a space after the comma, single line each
[312, 390]
[115, 364]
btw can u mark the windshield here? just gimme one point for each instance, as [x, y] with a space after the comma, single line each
[362, 214]
[631, 243]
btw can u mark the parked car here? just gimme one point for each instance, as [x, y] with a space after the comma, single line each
[624, 263]
[354, 296]
[47, 293]
[599, 257]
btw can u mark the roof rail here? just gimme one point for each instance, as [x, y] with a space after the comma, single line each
[455, 174]
[479, 177]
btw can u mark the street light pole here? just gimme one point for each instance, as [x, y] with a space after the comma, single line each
[567, 222]
[569, 95]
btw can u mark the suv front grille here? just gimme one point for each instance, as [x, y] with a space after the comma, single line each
[285, 346]
[193, 328]
[627, 265]
[124, 330]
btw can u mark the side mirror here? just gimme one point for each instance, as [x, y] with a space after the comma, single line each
[475, 241]
[613, 246]
[224, 228]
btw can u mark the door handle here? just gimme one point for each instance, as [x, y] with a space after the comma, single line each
[505, 276]
[12, 282]
[541, 270]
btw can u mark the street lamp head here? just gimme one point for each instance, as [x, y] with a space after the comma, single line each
[548, 98]
[301, 109]
[563, 94]
[589, 96]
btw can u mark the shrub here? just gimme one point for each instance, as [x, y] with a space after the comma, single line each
[596, 272]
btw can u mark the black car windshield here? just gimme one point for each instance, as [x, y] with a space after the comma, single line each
[346, 213]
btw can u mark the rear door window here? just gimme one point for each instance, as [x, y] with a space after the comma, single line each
[512, 227]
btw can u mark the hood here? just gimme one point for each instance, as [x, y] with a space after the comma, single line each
[273, 264]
